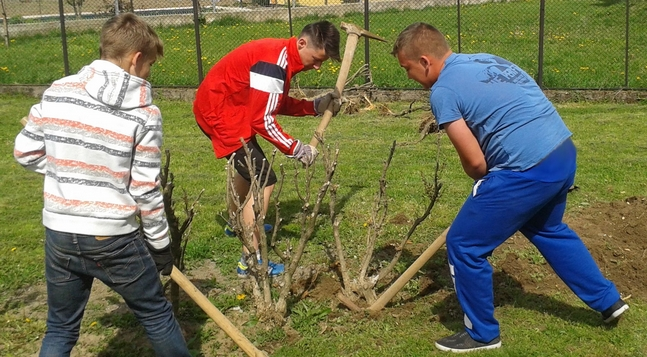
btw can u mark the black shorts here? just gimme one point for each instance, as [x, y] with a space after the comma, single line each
[258, 157]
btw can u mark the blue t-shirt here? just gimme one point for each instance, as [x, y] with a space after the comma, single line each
[513, 121]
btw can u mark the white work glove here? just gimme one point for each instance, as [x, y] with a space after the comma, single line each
[321, 103]
[305, 153]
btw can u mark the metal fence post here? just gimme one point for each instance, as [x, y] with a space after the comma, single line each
[458, 23]
[540, 60]
[367, 55]
[290, 16]
[198, 47]
[626, 44]
[61, 14]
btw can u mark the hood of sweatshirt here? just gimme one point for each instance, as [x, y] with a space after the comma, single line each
[114, 87]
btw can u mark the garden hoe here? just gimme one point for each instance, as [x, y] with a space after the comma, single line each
[206, 305]
[354, 32]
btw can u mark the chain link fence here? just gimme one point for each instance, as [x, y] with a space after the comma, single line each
[564, 44]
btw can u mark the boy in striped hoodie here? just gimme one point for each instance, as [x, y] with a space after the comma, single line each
[96, 137]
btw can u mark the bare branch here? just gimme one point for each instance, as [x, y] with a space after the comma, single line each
[411, 109]
[308, 223]
[284, 256]
[432, 191]
[380, 210]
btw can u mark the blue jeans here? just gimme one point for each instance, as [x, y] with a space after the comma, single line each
[73, 261]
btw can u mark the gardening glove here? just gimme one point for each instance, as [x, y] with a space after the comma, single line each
[163, 259]
[321, 103]
[305, 153]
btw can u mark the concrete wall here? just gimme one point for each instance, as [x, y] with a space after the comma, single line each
[383, 96]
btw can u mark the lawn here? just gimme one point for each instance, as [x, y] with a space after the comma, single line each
[539, 317]
[584, 44]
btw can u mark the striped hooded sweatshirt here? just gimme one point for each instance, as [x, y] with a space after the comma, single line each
[96, 138]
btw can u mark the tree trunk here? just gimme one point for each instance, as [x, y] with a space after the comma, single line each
[6, 24]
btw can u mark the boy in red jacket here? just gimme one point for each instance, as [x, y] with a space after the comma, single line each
[242, 95]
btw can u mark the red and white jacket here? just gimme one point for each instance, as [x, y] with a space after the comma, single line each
[242, 94]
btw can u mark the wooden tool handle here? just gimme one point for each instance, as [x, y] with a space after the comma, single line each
[349, 51]
[409, 273]
[215, 314]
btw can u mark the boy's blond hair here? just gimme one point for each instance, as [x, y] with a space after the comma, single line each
[420, 39]
[127, 33]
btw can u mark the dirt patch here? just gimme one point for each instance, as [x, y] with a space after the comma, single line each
[614, 233]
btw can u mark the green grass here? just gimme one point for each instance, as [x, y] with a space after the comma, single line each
[611, 160]
[584, 44]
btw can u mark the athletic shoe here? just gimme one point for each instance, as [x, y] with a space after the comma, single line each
[614, 311]
[463, 342]
[229, 231]
[273, 269]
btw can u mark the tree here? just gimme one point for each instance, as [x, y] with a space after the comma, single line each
[6, 25]
[77, 5]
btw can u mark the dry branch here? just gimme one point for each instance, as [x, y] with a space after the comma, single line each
[178, 230]
[269, 308]
[365, 284]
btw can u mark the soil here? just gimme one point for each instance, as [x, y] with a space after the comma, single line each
[614, 233]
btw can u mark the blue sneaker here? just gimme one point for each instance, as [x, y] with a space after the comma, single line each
[273, 269]
[229, 231]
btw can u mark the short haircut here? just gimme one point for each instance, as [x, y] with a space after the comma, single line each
[324, 35]
[418, 39]
[127, 33]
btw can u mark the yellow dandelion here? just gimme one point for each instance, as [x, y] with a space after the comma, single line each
[241, 296]
[365, 224]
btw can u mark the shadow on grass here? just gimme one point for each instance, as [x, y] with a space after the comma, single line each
[509, 291]
[131, 340]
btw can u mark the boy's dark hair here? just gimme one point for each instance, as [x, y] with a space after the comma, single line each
[323, 34]
[127, 33]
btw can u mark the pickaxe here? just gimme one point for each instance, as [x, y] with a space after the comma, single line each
[354, 32]
[206, 305]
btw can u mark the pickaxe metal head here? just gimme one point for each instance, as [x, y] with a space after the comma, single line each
[353, 29]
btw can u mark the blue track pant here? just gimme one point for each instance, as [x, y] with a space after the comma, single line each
[502, 203]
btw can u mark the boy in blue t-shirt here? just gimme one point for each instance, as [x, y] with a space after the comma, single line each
[513, 143]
